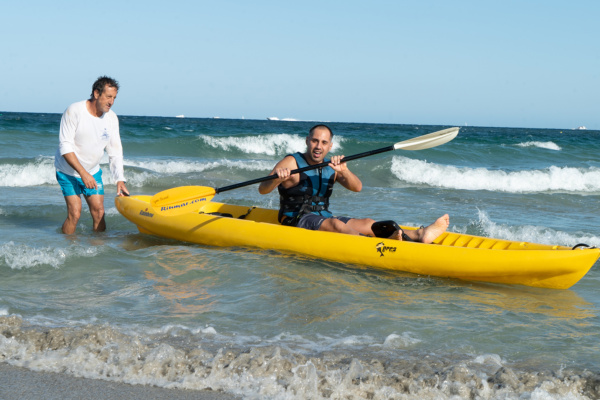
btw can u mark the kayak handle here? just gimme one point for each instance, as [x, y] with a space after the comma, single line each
[582, 245]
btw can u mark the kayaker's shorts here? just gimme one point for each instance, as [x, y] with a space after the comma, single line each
[314, 221]
[73, 186]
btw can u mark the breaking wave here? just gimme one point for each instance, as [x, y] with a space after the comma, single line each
[271, 144]
[22, 256]
[562, 179]
[543, 145]
[178, 357]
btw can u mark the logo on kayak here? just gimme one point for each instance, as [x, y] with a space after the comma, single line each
[382, 248]
[180, 205]
[145, 213]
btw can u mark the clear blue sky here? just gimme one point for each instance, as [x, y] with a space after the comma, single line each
[486, 63]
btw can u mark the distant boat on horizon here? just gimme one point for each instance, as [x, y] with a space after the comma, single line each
[582, 128]
[282, 119]
[180, 116]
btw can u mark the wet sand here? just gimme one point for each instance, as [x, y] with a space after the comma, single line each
[19, 383]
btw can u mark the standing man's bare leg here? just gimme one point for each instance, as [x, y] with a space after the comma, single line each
[96, 205]
[73, 214]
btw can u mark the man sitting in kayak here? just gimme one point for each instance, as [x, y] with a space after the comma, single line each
[304, 197]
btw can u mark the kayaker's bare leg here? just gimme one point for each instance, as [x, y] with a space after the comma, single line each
[427, 234]
[352, 227]
[335, 225]
[73, 214]
[362, 226]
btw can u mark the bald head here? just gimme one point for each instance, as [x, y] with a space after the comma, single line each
[320, 127]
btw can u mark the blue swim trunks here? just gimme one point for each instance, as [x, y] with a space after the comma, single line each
[314, 221]
[73, 186]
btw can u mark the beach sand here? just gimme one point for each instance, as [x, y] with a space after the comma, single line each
[19, 383]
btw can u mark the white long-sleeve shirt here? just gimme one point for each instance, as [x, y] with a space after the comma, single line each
[88, 137]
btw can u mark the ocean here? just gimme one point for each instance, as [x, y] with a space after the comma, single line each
[126, 307]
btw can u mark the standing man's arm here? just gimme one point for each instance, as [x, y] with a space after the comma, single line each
[115, 160]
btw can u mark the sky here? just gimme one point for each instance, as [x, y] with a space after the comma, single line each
[526, 63]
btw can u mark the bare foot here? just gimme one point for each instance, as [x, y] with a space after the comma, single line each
[427, 234]
[396, 236]
[431, 232]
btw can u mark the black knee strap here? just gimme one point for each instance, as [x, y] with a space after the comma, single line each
[385, 229]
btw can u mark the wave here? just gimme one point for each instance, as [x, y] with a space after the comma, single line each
[22, 256]
[551, 179]
[39, 172]
[200, 359]
[269, 144]
[138, 173]
[543, 145]
[533, 234]
[187, 166]
[169, 173]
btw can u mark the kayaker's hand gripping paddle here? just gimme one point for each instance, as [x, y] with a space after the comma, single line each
[186, 199]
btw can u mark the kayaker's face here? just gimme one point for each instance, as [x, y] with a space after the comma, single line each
[318, 144]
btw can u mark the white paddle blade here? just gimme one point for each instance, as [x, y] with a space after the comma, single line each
[428, 141]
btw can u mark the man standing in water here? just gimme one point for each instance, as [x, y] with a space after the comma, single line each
[87, 129]
[304, 197]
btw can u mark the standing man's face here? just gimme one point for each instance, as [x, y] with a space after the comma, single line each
[105, 100]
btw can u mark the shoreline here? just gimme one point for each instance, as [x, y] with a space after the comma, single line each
[20, 383]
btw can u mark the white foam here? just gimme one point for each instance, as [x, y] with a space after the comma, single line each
[42, 172]
[395, 341]
[257, 372]
[269, 144]
[564, 179]
[535, 234]
[187, 166]
[543, 145]
[488, 359]
[20, 256]
[39, 172]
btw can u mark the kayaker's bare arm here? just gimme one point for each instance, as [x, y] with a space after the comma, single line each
[282, 170]
[344, 176]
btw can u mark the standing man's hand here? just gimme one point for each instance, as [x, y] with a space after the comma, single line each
[122, 189]
[88, 179]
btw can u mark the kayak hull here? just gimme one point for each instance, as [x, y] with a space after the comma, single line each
[452, 255]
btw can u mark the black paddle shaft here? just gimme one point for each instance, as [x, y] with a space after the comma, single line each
[308, 168]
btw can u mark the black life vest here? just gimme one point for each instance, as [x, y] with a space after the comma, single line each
[310, 195]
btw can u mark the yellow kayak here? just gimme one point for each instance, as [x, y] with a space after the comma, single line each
[452, 255]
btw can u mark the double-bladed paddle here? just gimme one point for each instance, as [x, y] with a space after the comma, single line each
[186, 199]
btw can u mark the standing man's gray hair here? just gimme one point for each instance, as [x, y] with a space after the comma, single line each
[101, 83]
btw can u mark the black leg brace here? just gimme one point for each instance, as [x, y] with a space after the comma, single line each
[385, 229]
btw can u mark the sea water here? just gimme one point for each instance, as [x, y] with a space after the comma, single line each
[134, 308]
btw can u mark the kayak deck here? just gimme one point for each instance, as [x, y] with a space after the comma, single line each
[452, 255]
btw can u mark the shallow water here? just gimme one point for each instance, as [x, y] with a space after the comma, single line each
[134, 308]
